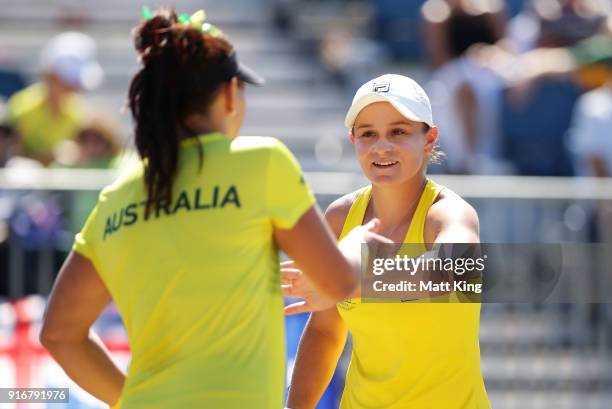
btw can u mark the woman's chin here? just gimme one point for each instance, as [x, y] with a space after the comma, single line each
[378, 179]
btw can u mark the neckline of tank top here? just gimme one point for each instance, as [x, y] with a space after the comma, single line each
[428, 184]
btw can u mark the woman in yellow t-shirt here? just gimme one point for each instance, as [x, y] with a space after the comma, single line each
[408, 355]
[186, 243]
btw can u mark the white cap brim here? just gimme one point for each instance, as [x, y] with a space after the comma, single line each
[373, 97]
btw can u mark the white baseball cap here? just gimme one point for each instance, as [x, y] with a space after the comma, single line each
[72, 57]
[402, 92]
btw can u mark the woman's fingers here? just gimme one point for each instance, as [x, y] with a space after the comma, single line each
[373, 225]
[288, 264]
[290, 275]
[374, 237]
[287, 290]
[368, 233]
[297, 308]
[293, 282]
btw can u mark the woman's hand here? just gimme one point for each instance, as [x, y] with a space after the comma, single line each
[296, 284]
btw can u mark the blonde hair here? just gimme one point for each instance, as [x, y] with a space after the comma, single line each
[436, 155]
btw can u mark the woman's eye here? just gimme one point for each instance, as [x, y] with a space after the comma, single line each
[367, 134]
[399, 131]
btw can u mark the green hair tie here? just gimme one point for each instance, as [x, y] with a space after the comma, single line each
[197, 20]
[147, 14]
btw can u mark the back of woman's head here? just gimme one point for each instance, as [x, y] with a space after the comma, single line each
[182, 70]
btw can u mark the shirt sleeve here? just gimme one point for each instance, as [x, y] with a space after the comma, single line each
[584, 135]
[288, 196]
[84, 241]
[13, 109]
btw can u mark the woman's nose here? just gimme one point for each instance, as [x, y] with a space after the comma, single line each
[382, 146]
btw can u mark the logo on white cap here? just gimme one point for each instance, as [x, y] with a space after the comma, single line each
[381, 86]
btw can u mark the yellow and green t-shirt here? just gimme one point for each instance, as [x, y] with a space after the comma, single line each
[197, 281]
[40, 129]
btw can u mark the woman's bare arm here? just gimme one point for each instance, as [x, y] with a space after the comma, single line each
[77, 299]
[323, 338]
[320, 348]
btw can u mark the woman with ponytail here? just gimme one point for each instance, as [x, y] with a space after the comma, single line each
[187, 244]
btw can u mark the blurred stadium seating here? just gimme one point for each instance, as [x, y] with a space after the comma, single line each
[533, 356]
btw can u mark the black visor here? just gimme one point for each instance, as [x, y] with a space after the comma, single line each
[249, 76]
[231, 68]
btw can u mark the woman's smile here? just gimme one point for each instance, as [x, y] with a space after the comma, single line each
[386, 164]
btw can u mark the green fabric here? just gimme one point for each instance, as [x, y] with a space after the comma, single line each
[594, 50]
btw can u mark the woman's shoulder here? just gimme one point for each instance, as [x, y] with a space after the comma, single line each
[450, 208]
[129, 177]
[449, 204]
[256, 143]
[262, 150]
[337, 212]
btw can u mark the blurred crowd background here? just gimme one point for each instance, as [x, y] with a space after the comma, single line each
[518, 88]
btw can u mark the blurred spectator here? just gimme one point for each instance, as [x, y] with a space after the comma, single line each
[8, 141]
[50, 111]
[396, 24]
[536, 113]
[11, 81]
[41, 221]
[453, 26]
[591, 132]
[8, 137]
[96, 146]
[534, 127]
[465, 94]
[538, 108]
[282, 15]
[556, 23]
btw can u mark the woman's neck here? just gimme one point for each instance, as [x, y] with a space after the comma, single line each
[184, 133]
[395, 204]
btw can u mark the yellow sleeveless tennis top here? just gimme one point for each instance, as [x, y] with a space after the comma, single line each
[411, 355]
